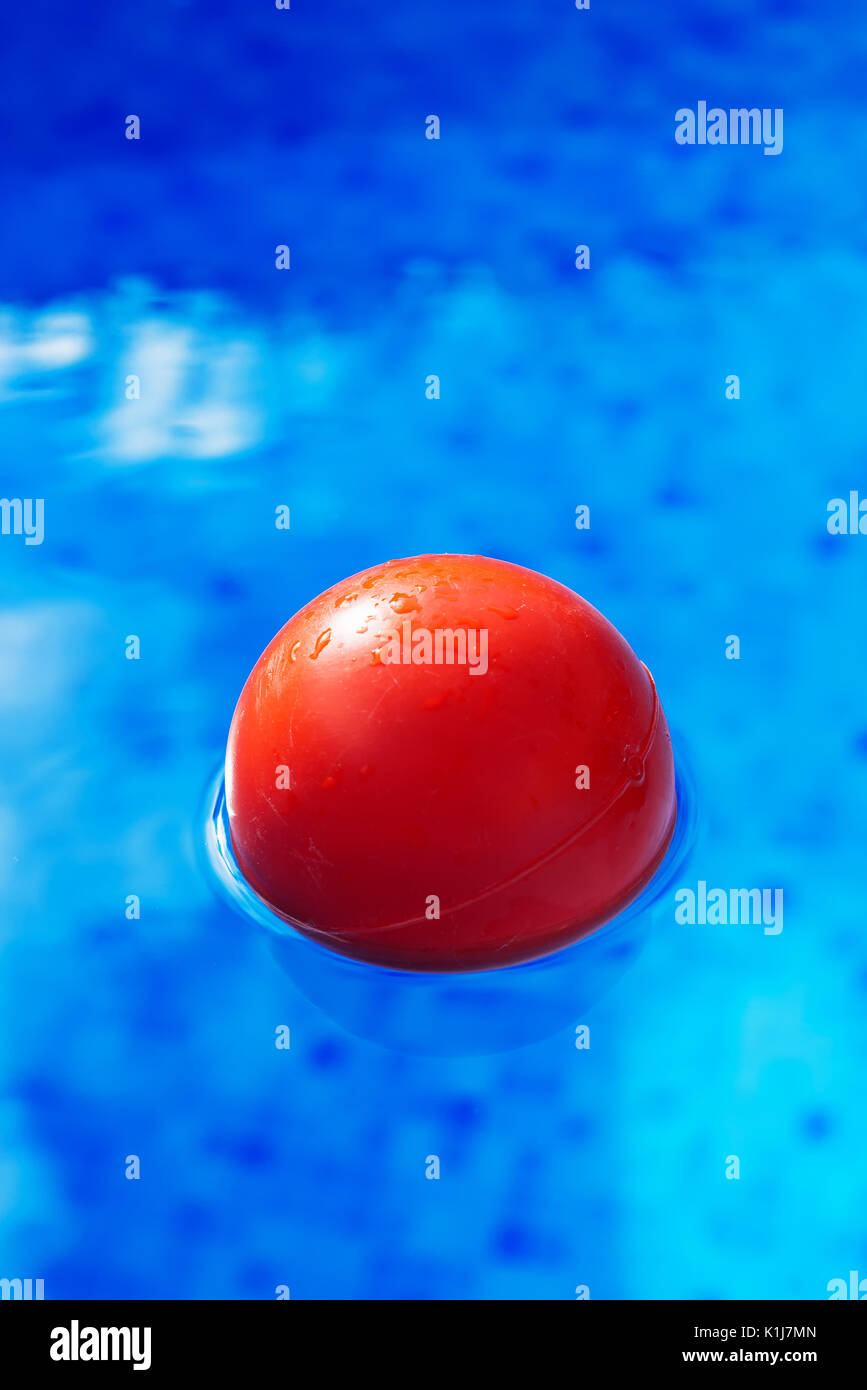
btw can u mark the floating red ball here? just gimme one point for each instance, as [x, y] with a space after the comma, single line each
[449, 763]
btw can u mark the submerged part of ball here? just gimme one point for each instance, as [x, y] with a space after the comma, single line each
[449, 763]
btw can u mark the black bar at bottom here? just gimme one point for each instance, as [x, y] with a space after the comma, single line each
[159, 1339]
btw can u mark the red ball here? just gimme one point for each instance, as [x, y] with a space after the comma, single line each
[449, 763]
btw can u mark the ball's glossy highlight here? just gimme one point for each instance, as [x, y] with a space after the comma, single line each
[437, 814]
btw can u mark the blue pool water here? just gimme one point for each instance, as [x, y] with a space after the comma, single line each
[603, 1167]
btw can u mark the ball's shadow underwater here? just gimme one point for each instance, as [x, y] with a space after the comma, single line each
[462, 1014]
